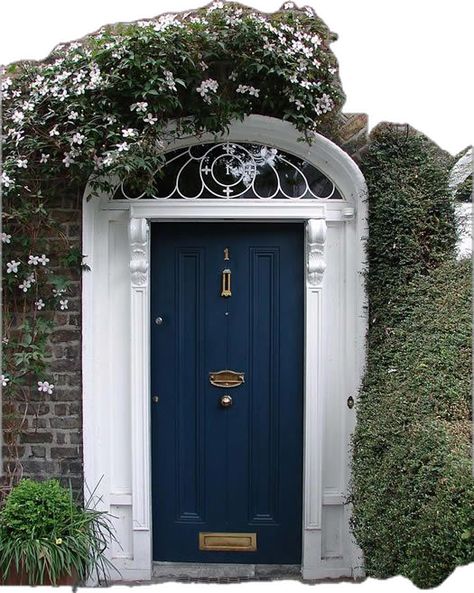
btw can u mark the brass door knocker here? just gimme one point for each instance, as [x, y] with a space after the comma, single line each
[226, 290]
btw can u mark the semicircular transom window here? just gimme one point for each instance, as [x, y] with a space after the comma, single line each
[232, 170]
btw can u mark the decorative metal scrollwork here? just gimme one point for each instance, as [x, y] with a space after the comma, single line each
[230, 170]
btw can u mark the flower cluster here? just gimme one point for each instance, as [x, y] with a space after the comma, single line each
[207, 86]
[250, 90]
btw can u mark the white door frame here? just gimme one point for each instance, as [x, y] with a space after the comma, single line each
[316, 215]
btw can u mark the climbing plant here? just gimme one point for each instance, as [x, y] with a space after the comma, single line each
[105, 107]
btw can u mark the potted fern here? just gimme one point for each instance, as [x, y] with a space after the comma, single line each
[46, 538]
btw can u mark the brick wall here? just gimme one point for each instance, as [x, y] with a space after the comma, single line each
[50, 444]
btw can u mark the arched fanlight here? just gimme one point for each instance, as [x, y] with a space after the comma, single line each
[232, 170]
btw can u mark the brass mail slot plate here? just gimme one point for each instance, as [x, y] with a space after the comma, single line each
[226, 378]
[228, 542]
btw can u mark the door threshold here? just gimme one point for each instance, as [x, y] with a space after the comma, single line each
[196, 571]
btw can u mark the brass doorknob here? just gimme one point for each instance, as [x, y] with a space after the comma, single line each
[226, 401]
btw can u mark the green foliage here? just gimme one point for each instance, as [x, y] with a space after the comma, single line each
[411, 216]
[45, 533]
[413, 491]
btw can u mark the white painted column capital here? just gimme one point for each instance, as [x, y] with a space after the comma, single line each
[138, 234]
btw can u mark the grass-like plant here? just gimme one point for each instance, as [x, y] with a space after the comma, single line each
[46, 535]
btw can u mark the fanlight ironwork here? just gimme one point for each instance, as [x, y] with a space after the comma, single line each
[232, 170]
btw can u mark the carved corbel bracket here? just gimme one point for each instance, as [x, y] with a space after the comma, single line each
[139, 236]
[315, 242]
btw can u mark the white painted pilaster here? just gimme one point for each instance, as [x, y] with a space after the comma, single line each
[313, 437]
[140, 389]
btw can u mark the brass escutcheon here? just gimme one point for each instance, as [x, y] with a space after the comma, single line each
[226, 378]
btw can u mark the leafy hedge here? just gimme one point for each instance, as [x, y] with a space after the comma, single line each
[413, 490]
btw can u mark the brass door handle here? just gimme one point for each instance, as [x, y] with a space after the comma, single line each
[226, 401]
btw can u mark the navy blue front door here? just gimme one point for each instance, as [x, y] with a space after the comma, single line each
[234, 469]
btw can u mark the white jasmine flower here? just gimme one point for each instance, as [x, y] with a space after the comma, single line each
[215, 6]
[38, 81]
[252, 91]
[77, 138]
[25, 285]
[206, 86]
[73, 115]
[95, 77]
[17, 135]
[233, 76]
[22, 163]
[141, 106]
[203, 65]
[316, 40]
[166, 21]
[54, 131]
[45, 386]
[58, 291]
[5, 380]
[63, 303]
[169, 80]
[6, 83]
[33, 260]
[79, 77]
[43, 259]
[28, 106]
[6, 180]
[129, 133]
[68, 160]
[149, 119]
[297, 102]
[44, 158]
[111, 119]
[123, 147]
[18, 116]
[39, 304]
[6, 238]
[324, 104]
[12, 267]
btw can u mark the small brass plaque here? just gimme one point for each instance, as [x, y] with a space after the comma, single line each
[228, 542]
[226, 378]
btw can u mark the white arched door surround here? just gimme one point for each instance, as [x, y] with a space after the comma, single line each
[116, 322]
